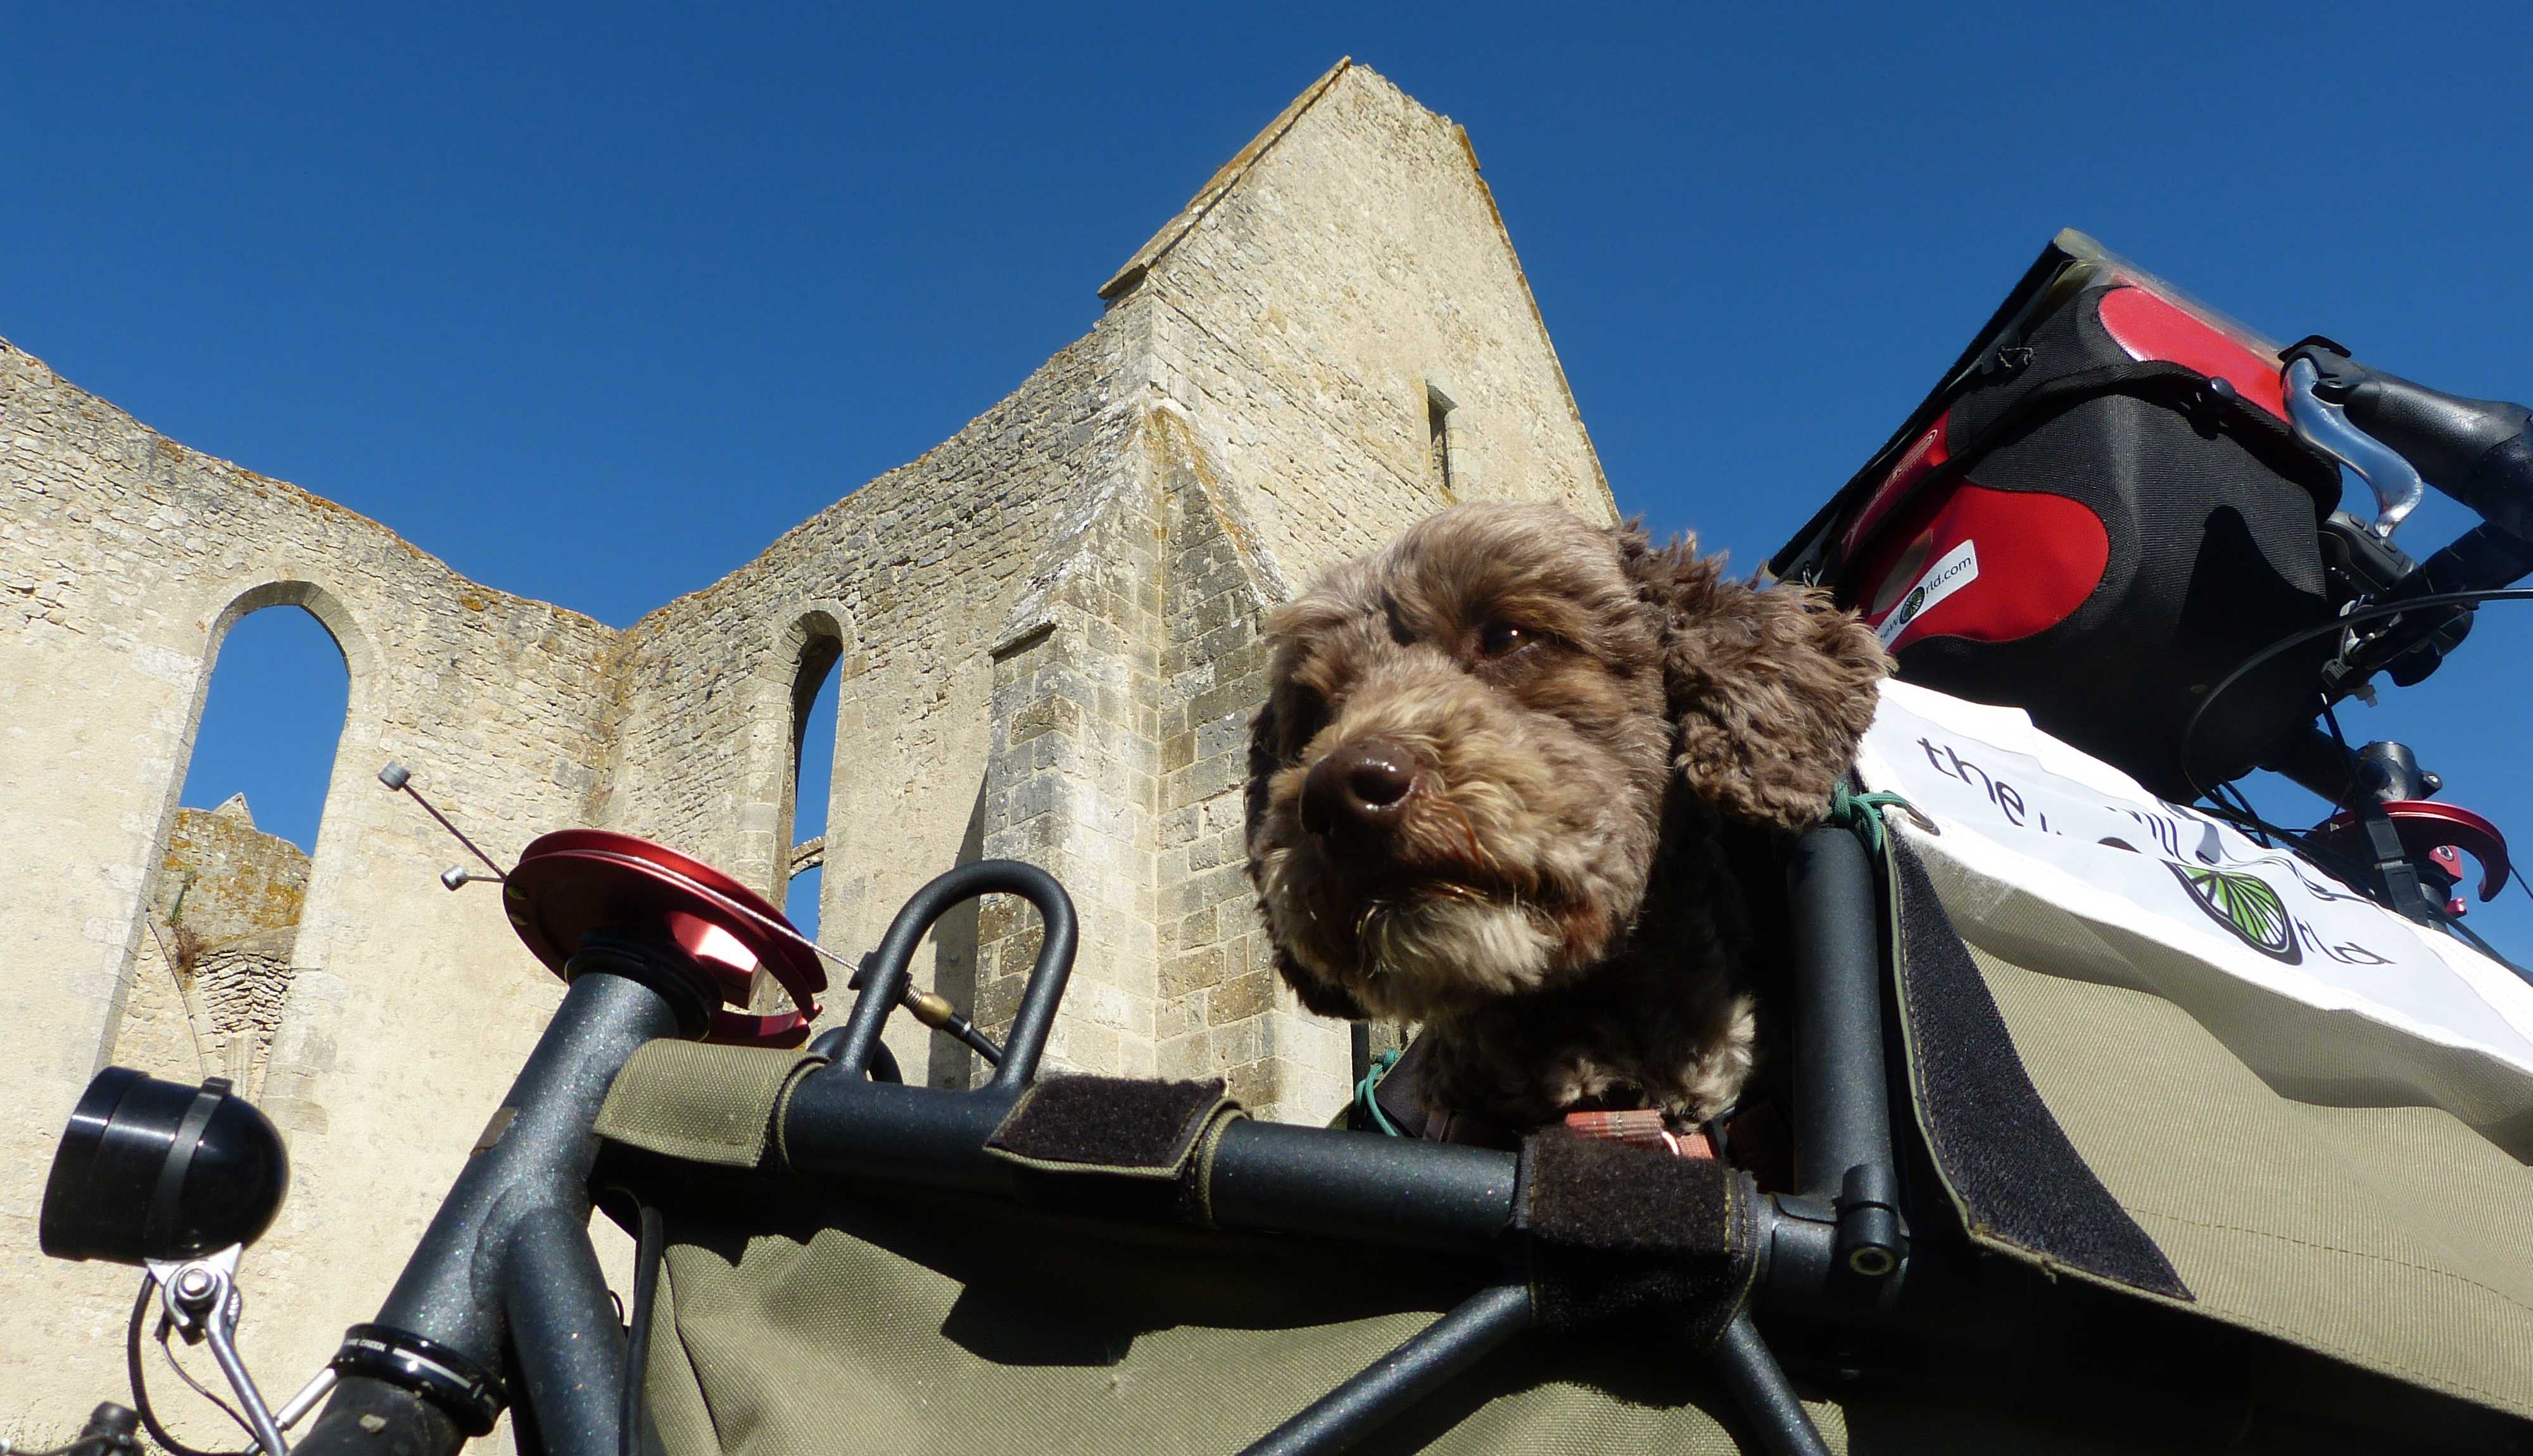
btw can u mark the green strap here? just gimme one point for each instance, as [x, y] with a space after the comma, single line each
[1862, 812]
[1362, 1092]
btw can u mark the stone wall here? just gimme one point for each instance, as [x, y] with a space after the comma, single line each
[1356, 270]
[124, 557]
[915, 572]
[1308, 310]
[1046, 643]
[212, 967]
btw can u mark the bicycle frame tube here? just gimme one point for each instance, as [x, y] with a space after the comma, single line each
[510, 1248]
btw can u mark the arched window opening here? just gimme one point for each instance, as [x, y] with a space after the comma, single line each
[221, 916]
[813, 767]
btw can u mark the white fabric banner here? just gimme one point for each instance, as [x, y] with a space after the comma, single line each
[2059, 862]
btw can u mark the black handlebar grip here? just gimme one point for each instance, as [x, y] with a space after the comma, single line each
[2479, 451]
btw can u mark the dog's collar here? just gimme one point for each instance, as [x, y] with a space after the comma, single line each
[1392, 1096]
[1641, 1126]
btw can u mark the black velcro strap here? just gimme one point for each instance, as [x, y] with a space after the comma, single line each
[1997, 1146]
[1617, 1229]
[1123, 1126]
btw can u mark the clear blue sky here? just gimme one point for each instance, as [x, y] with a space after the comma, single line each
[595, 302]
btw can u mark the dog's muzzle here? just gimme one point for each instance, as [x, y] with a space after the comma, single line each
[1354, 799]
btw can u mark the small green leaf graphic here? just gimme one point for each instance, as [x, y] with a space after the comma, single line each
[2246, 905]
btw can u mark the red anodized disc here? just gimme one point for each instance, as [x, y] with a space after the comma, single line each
[2425, 825]
[574, 881]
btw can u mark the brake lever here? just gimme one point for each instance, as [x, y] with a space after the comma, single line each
[2398, 485]
[200, 1300]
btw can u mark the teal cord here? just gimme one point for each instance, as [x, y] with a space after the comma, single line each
[1862, 812]
[1371, 1104]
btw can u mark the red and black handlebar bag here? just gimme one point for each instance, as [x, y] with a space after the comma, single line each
[2098, 514]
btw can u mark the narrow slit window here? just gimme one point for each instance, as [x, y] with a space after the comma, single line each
[1438, 441]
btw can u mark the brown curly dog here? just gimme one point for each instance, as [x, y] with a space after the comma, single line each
[1502, 786]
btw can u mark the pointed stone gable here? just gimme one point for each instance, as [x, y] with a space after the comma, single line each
[1220, 183]
[1349, 269]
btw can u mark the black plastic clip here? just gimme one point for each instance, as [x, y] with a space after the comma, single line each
[1870, 1244]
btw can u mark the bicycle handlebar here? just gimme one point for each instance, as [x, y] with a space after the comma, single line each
[2479, 451]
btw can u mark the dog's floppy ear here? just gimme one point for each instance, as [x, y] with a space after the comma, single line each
[1770, 688]
[1265, 757]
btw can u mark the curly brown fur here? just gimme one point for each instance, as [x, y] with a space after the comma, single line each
[1500, 786]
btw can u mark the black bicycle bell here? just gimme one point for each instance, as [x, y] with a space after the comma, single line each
[157, 1169]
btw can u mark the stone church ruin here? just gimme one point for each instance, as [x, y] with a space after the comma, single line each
[1043, 635]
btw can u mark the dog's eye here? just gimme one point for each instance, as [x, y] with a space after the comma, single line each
[1503, 640]
[1305, 719]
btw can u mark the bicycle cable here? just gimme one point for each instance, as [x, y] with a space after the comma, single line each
[2376, 613]
[2301, 843]
[2452, 923]
[650, 1247]
[139, 1377]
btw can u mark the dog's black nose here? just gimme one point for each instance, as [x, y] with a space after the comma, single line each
[1362, 785]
